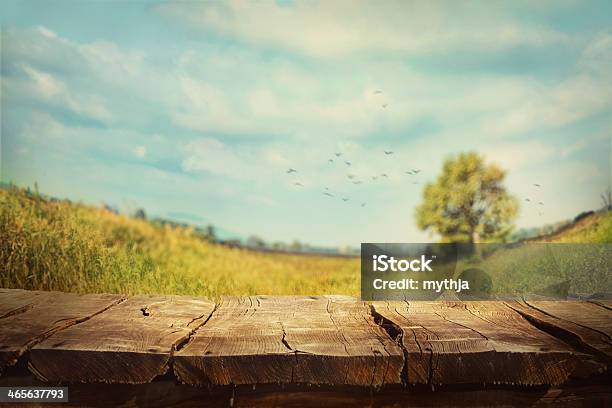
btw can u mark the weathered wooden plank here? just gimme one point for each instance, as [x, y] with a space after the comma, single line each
[584, 314]
[606, 304]
[585, 325]
[47, 314]
[299, 340]
[131, 343]
[481, 342]
[15, 301]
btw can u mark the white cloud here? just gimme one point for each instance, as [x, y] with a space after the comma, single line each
[513, 156]
[213, 156]
[44, 84]
[586, 92]
[337, 28]
[545, 106]
[46, 32]
[42, 130]
[110, 61]
[77, 75]
[240, 92]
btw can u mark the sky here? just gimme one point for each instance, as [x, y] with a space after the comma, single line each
[196, 110]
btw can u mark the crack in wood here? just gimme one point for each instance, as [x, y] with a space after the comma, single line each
[462, 325]
[606, 335]
[329, 313]
[180, 344]
[566, 336]
[374, 369]
[479, 316]
[295, 352]
[397, 334]
[18, 310]
[502, 352]
[284, 337]
[70, 323]
[598, 303]
[382, 343]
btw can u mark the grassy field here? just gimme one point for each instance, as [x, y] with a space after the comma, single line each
[596, 228]
[557, 269]
[70, 247]
[58, 245]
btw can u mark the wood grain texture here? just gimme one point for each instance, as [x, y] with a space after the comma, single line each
[585, 325]
[606, 304]
[130, 343]
[482, 343]
[310, 340]
[41, 316]
[15, 301]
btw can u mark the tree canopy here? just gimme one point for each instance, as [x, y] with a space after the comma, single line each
[468, 202]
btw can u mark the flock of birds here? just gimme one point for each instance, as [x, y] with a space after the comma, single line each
[412, 172]
[539, 203]
[352, 178]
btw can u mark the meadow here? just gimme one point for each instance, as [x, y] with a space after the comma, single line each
[59, 245]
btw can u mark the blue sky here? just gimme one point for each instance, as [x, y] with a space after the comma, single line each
[195, 110]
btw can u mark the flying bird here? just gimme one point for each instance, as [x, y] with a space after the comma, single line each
[363, 204]
[328, 194]
[537, 185]
[291, 171]
[357, 182]
[347, 163]
[297, 183]
[408, 172]
[388, 152]
[528, 200]
[378, 91]
[345, 199]
[384, 175]
[385, 105]
[416, 171]
[351, 176]
[338, 154]
[540, 203]
[331, 160]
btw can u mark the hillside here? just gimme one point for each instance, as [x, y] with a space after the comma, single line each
[594, 228]
[58, 245]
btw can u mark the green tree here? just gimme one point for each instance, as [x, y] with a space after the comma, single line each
[468, 202]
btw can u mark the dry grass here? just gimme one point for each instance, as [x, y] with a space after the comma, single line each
[57, 245]
[596, 228]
